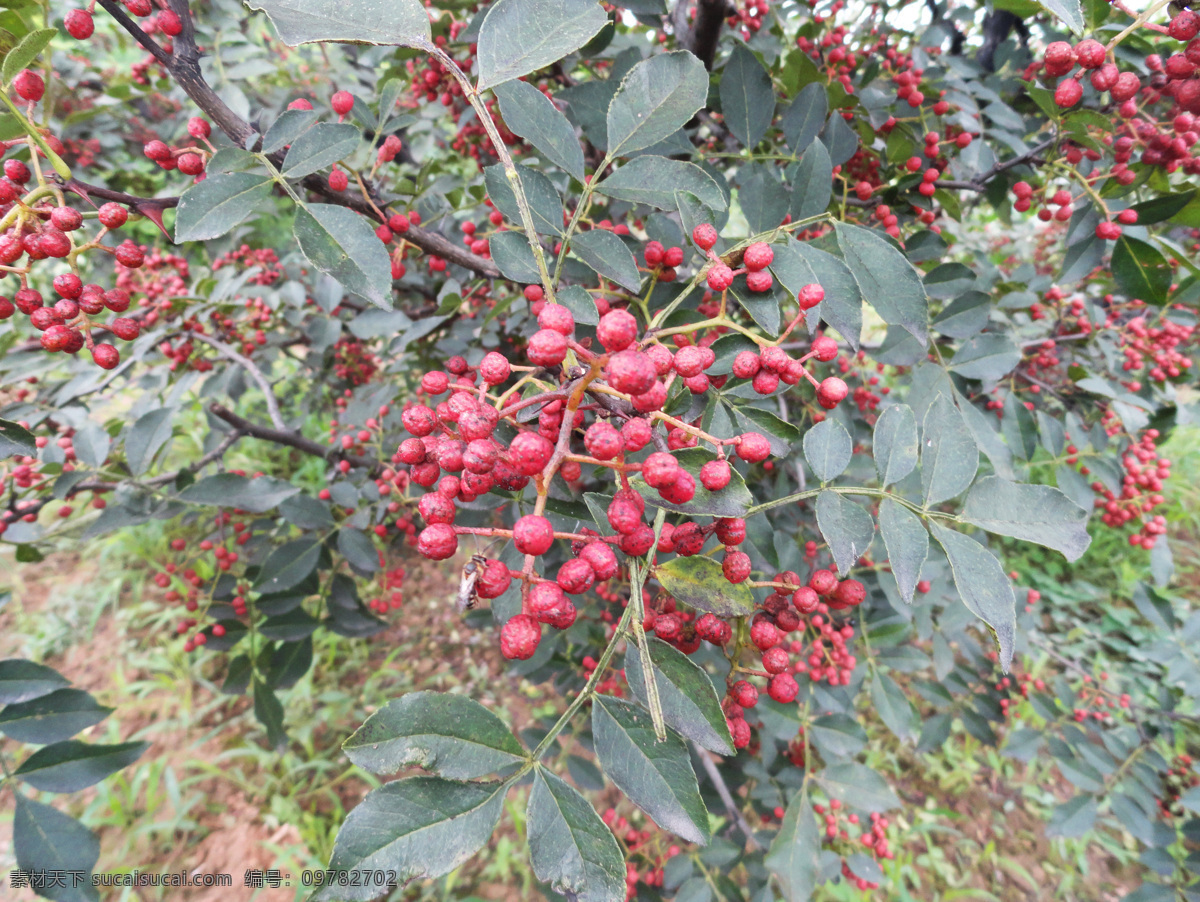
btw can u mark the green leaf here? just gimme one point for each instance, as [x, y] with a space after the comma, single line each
[812, 185]
[839, 139]
[1074, 818]
[907, 545]
[356, 547]
[894, 708]
[886, 278]
[26, 52]
[797, 264]
[289, 662]
[404, 22]
[700, 583]
[762, 199]
[803, 120]
[654, 180]
[70, 766]
[1162, 208]
[986, 357]
[289, 626]
[1069, 12]
[15, 440]
[287, 128]
[778, 431]
[795, 854]
[654, 100]
[544, 202]
[581, 304]
[46, 840]
[340, 243]
[747, 97]
[656, 776]
[269, 712]
[420, 827]
[838, 736]
[1191, 800]
[1019, 426]
[258, 495]
[847, 528]
[22, 681]
[858, 786]
[983, 586]
[965, 315]
[287, 566]
[689, 702]
[1141, 271]
[52, 718]
[521, 36]
[1033, 513]
[607, 254]
[949, 455]
[569, 846]
[214, 206]
[529, 113]
[514, 257]
[732, 501]
[147, 435]
[763, 307]
[828, 449]
[320, 146]
[895, 443]
[451, 735]
[92, 444]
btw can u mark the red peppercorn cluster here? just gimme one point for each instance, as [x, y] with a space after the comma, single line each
[1141, 492]
[1179, 779]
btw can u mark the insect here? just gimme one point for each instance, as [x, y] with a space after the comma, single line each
[467, 593]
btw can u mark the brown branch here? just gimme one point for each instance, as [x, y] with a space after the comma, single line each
[184, 66]
[252, 370]
[114, 9]
[980, 181]
[710, 768]
[292, 440]
[702, 36]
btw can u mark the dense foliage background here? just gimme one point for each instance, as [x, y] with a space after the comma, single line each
[725, 451]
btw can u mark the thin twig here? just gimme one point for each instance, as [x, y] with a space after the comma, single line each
[293, 440]
[183, 65]
[980, 181]
[710, 768]
[252, 369]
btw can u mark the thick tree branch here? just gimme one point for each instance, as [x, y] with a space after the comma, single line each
[184, 66]
[705, 31]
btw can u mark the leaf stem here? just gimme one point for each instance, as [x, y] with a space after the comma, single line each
[471, 93]
[850, 490]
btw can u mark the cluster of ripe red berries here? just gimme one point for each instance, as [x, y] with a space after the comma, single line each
[1141, 491]
[836, 832]
[1179, 70]
[454, 445]
[188, 160]
[1178, 780]
[644, 844]
[755, 260]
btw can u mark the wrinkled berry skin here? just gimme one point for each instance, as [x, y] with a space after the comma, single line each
[519, 637]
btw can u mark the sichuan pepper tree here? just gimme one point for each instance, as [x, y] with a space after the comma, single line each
[737, 347]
